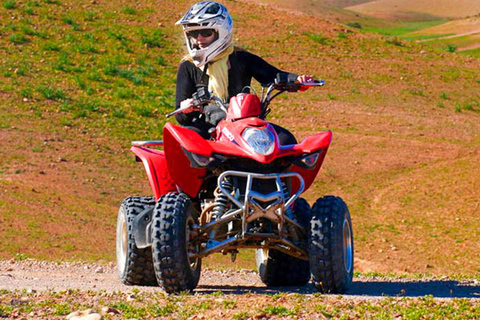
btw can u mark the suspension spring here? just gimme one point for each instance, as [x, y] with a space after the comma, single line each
[289, 213]
[286, 195]
[221, 200]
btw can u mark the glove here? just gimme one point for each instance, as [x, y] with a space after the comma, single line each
[304, 79]
[188, 105]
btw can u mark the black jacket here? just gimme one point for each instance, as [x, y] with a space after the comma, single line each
[243, 67]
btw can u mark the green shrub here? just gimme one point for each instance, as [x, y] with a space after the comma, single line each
[29, 11]
[317, 38]
[18, 38]
[89, 16]
[161, 61]
[129, 10]
[125, 93]
[52, 93]
[154, 40]
[62, 309]
[144, 111]
[451, 48]
[277, 310]
[52, 2]
[395, 41]
[68, 20]
[356, 25]
[9, 4]
[26, 93]
[119, 113]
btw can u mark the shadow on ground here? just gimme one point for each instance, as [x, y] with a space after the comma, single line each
[372, 288]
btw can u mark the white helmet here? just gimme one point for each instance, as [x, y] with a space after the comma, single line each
[207, 15]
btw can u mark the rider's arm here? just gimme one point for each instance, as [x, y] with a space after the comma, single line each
[185, 88]
[261, 70]
[265, 73]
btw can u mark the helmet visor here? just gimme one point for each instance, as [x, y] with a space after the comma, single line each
[205, 33]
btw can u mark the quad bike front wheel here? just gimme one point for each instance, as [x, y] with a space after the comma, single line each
[135, 266]
[280, 269]
[331, 245]
[173, 219]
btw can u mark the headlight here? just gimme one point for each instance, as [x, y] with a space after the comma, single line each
[260, 140]
[309, 161]
[202, 161]
[198, 160]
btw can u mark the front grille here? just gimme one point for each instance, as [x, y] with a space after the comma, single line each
[249, 165]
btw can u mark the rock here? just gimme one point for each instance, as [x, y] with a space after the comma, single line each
[88, 314]
[108, 310]
[17, 302]
[99, 270]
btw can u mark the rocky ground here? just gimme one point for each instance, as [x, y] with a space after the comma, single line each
[32, 289]
[42, 276]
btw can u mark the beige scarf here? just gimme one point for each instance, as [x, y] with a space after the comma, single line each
[218, 74]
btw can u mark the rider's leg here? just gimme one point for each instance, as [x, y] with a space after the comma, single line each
[201, 128]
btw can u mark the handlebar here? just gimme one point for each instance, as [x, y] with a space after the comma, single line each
[200, 103]
[284, 82]
[293, 86]
[201, 97]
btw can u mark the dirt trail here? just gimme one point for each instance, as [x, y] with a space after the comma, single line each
[44, 276]
[452, 36]
[470, 47]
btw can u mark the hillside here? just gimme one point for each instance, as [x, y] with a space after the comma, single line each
[80, 79]
[388, 9]
[461, 34]
[409, 20]
[330, 10]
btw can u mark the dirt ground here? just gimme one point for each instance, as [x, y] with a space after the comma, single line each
[47, 276]
[409, 169]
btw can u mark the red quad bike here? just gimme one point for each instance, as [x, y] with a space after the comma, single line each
[241, 189]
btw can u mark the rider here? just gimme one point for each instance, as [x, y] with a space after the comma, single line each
[213, 61]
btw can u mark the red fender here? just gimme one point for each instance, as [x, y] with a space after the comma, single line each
[175, 139]
[156, 167]
[243, 105]
[317, 142]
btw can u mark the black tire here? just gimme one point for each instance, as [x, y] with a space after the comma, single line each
[276, 268]
[331, 245]
[172, 216]
[135, 266]
[302, 213]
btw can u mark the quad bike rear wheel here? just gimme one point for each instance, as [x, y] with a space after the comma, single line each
[135, 266]
[280, 269]
[331, 245]
[173, 219]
